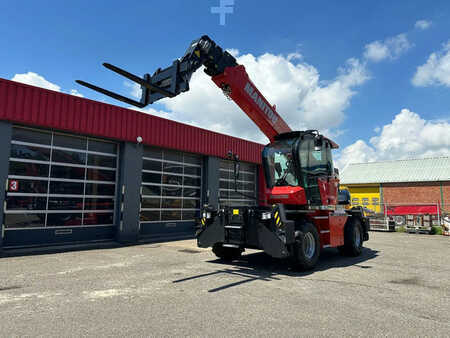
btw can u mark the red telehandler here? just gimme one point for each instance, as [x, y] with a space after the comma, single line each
[303, 210]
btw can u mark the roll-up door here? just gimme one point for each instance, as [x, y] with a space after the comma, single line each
[61, 188]
[171, 193]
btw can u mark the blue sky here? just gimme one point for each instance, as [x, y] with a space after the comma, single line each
[356, 64]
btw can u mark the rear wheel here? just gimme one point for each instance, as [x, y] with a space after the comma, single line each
[399, 220]
[225, 253]
[353, 238]
[306, 247]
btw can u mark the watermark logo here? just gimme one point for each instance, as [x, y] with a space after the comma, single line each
[225, 7]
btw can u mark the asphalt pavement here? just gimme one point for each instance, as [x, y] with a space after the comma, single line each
[399, 286]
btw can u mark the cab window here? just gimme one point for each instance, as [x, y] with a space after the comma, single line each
[315, 161]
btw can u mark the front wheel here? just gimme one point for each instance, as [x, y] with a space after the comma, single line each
[306, 247]
[225, 253]
[353, 238]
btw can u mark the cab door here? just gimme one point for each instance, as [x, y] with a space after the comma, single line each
[316, 168]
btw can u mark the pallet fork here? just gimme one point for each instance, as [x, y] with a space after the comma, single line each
[173, 80]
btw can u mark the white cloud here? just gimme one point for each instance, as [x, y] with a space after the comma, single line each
[233, 51]
[422, 24]
[391, 48]
[75, 92]
[407, 136]
[36, 80]
[151, 111]
[135, 89]
[436, 71]
[357, 152]
[296, 89]
[376, 51]
[294, 56]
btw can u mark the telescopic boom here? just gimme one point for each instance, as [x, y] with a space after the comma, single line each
[225, 72]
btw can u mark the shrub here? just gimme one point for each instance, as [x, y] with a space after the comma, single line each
[436, 230]
[400, 228]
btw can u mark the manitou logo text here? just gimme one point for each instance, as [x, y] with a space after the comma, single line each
[260, 102]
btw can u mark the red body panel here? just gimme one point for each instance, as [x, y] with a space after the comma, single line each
[287, 195]
[320, 221]
[333, 187]
[251, 101]
[328, 190]
[28, 105]
[337, 224]
[330, 228]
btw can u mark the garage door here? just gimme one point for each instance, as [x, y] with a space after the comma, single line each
[171, 193]
[246, 184]
[61, 188]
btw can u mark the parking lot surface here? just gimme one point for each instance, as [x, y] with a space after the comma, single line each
[400, 286]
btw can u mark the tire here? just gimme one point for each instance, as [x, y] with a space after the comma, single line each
[399, 220]
[353, 238]
[227, 254]
[307, 247]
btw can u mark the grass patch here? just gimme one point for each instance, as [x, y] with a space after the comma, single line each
[436, 230]
[400, 228]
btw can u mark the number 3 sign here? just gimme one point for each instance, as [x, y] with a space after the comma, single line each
[13, 185]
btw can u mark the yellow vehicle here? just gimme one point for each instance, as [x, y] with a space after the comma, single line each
[367, 197]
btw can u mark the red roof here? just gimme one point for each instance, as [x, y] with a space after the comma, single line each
[33, 106]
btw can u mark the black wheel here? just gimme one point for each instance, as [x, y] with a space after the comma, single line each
[353, 238]
[399, 220]
[225, 253]
[306, 247]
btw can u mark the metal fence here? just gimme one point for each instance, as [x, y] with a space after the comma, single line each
[412, 216]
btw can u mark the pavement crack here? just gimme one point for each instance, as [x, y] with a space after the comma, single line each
[349, 283]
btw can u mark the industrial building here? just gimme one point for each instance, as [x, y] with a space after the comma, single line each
[420, 183]
[77, 170]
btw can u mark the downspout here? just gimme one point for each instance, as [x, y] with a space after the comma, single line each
[382, 198]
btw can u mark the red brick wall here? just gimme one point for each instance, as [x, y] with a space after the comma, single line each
[426, 192]
[446, 191]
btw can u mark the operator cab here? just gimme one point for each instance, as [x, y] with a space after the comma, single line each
[301, 163]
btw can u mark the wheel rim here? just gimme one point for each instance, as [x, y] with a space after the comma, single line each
[309, 246]
[357, 237]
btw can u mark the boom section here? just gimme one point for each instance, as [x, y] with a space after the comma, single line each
[237, 86]
[230, 77]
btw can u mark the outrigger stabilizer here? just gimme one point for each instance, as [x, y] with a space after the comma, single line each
[173, 80]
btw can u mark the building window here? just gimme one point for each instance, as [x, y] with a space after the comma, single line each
[246, 184]
[375, 201]
[355, 201]
[365, 201]
[57, 179]
[171, 186]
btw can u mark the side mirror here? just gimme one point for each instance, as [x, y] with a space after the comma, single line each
[278, 168]
[318, 143]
